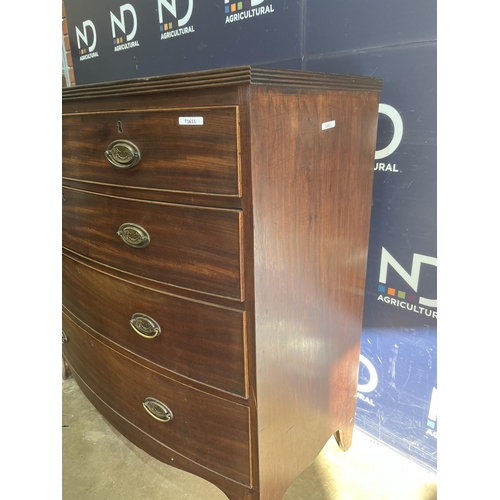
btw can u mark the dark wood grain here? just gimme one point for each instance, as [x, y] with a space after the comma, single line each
[226, 77]
[233, 489]
[287, 255]
[118, 100]
[191, 247]
[311, 213]
[205, 429]
[197, 340]
[162, 196]
[248, 228]
[174, 157]
[156, 285]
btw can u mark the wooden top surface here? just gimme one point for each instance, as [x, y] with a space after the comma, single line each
[225, 77]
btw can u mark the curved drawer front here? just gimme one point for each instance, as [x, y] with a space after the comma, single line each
[190, 150]
[190, 247]
[200, 341]
[208, 430]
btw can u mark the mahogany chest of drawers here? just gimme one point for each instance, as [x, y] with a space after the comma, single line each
[215, 236]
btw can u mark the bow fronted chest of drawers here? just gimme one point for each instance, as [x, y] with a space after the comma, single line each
[215, 237]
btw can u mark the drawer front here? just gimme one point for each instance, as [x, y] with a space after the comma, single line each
[199, 341]
[208, 430]
[191, 158]
[190, 247]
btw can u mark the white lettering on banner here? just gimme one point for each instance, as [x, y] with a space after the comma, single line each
[121, 22]
[84, 37]
[410, 307]
[386, 168]
[432, 433]
[171, 6]
[125, 46]
[89, 56]
[433, 407]
[179, 32]
[364, 398]
[397, 123]
[411, 278]
[248, 14]
[372, 383]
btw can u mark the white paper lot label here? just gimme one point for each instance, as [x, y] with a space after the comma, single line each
[327, 125]
[190, 120]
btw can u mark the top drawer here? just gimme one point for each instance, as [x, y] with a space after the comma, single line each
[175, 154]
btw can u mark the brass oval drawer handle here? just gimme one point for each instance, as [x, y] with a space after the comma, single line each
[134, 235]
[158, 410]
[145, 326]
[123, 154]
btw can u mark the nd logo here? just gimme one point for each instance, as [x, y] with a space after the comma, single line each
[171, 6]
[120, 23]
[397, 124]
[83, 36]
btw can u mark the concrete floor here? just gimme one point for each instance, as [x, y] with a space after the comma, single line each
[98, 463]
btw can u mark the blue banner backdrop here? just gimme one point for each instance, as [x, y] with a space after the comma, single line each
[115, 40]
[392, 39]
